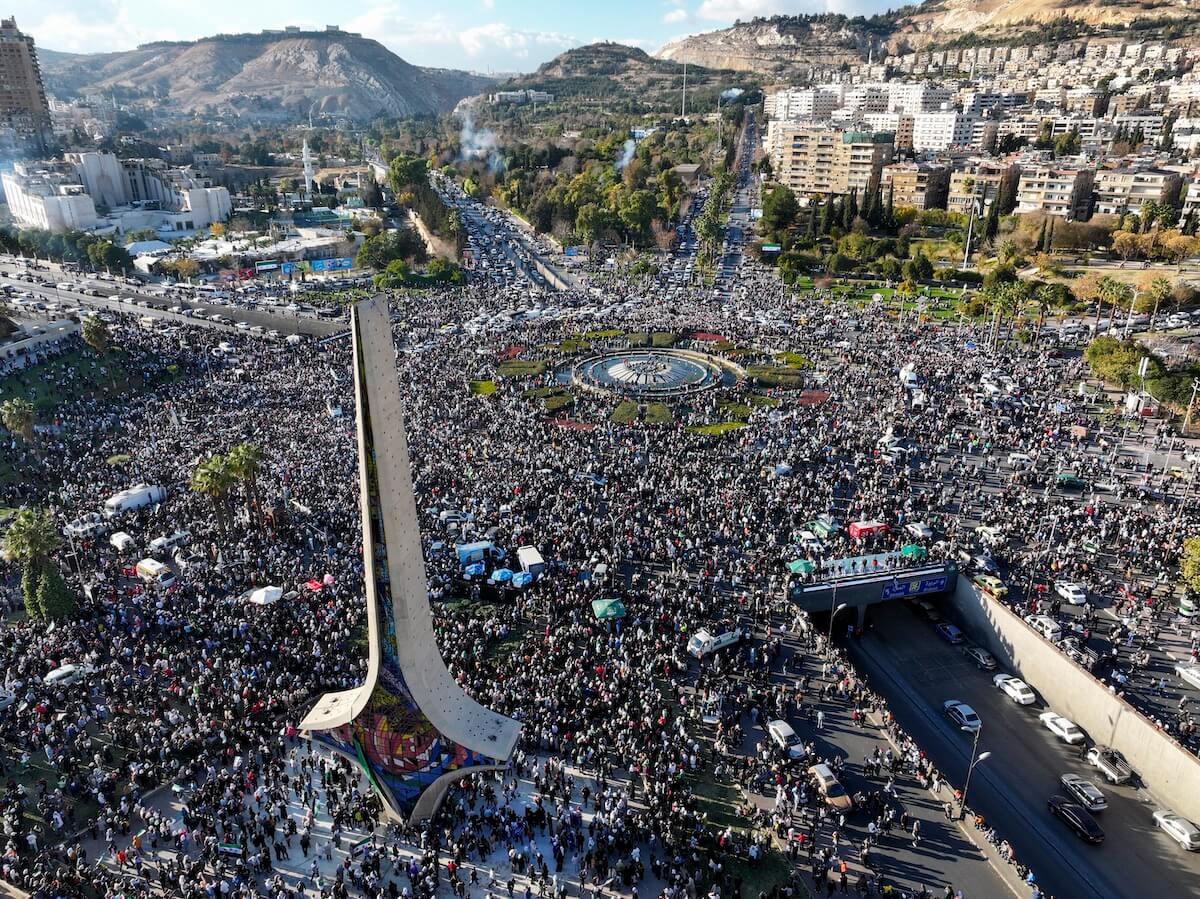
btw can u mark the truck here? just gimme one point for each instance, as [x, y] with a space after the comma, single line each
[860, 529]
[137, 497]
[703, 643]
[531, 560]
[1111, 764]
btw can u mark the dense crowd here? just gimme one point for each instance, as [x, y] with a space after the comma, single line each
[193, 687]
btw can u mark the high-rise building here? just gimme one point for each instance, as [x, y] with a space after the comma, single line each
[816, 159]
[23, 106]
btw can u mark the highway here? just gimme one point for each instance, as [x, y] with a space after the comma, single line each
[916, 672]
[158, 308]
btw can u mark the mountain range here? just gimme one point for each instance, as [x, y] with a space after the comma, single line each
[781, 45]
[272, 75]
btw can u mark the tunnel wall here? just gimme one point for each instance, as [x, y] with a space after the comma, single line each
[1166, 768]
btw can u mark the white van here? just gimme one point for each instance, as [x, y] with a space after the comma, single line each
[65, 676]
[1020, 460]
[160, 545]
[152, 571]
[121, 542]
[785, 738]
[1046, 626]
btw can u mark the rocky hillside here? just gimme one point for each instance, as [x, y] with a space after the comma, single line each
[778, 45]
[938, 19]
[608, 70]
[783, 45]
[265, 76]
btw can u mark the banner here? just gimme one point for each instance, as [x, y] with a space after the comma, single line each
[338, 263]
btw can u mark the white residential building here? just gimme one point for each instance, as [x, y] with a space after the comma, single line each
[940, 130]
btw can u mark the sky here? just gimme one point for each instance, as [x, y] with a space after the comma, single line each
[481, 35]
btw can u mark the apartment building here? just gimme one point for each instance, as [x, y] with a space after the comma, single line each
[812, 158]
[974, 181]
[48, 196]
[1125, 190]
[23, 105]
[1062, 192]
[812, 104]
[940, 130]
[917, 184]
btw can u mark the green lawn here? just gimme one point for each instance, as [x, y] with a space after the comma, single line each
[658, 339]
[74, 376]
[603, 334]
[628, 412]
[521, 368]
[794, 360]
[558, 402]
[768, 402]
[717, 429]
[776, 376]
[734, 409]
[572, 345]
[483, 388]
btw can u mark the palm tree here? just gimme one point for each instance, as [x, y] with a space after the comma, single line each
[214, 479]
[18, 415]
[1002, 298]
[96, 335]
[31, 538]
[245, 464]
[1045, 296]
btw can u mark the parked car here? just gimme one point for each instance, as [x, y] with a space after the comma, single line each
[1076, 817]
[927, 610]
[963, 716]
[1063, 728]
[1015, 688]
[983, 659]
[1084, 792]
[1179, 829]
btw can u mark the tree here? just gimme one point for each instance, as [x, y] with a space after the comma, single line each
[96, 334]
[636, 211]
[54, 598]
[395, 275]
[17, 415]
[919, 268]
[30, 541]
[214, 479]
[1189, 564]
[779, 209]
[245, 464]
[1126, 244]
[405, 172]
[1160, 289]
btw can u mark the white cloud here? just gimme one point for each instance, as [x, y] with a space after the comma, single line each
[675, 16]
[497, 36]
[74, 33]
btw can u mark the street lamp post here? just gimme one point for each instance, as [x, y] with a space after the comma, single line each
[975, 760]
[832, 615]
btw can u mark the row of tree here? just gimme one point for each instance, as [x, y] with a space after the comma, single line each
[76, 247]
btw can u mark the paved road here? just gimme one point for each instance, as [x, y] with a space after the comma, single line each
[943, 855]
[282, 322]
[916, 672]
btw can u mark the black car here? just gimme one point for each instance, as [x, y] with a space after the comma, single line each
[1077, 818]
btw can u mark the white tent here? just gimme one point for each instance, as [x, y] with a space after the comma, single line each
[264, 596]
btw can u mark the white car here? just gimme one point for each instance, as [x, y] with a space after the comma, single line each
[1179, 829]
[962, 715]
[1189, 674]
[783, 736]
[1063, 728]
[1075, 594]
[919, 529]
[1015, 688]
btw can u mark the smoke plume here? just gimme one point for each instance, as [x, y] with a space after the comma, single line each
[479, 143]
[626, 156]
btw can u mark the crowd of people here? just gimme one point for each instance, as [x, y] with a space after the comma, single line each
[194, 688]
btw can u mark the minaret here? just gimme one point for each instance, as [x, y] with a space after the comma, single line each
[308, 169]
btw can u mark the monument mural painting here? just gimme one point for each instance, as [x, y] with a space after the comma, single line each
[410, 726]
